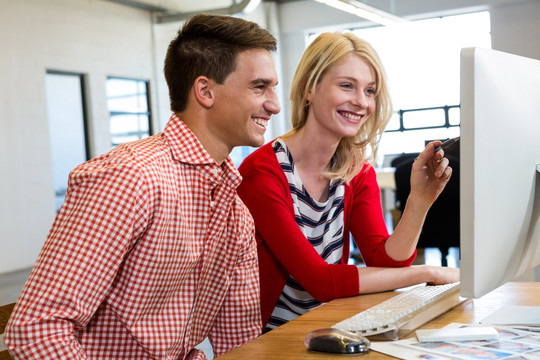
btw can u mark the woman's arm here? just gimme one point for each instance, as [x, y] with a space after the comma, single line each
[374, 279]
[430, 174]
[365, 221]
[385, 271]
[265, 191]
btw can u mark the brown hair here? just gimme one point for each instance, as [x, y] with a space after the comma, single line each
[209, 45]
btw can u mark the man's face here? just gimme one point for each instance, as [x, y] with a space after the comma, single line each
[246, 100]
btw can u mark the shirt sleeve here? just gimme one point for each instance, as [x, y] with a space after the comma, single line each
[265, 191]
[366, 221]
[240, 318]
[102, 215]
[196, 354]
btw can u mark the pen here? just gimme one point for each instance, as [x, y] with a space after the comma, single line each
[445, 145]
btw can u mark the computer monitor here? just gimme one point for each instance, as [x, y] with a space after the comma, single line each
[499, 159]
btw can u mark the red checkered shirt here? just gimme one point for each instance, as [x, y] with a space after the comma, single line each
[152, 252]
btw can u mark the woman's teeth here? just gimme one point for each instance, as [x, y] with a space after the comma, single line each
[352, 116]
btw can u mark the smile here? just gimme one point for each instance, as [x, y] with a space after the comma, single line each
[261, 122]
[351, 116]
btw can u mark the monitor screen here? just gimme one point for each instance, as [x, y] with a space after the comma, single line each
[499, 162]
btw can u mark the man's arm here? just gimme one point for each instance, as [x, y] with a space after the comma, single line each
[240, 318]
[91, 234]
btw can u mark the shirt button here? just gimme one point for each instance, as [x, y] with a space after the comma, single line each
[214, 171]
[212, 203]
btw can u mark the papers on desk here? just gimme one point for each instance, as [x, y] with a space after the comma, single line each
[514, 315]
[512, 344]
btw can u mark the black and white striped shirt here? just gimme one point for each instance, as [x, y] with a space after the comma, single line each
[321, 223]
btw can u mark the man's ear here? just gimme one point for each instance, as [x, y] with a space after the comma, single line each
[202, 88]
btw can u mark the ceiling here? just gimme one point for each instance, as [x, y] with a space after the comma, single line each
[173, 10]
[185, 5]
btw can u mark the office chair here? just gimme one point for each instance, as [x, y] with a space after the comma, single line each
[5, 312]
[441, 227]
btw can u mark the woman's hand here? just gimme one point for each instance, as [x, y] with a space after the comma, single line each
[438, 275]
[373, 279]
[429, 176]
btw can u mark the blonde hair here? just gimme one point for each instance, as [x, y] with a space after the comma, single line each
[324, 52]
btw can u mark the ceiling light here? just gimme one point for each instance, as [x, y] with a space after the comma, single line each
[364, 11]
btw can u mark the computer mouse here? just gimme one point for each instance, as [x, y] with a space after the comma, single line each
[336, 341]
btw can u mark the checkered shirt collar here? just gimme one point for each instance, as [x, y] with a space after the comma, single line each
[187, 148]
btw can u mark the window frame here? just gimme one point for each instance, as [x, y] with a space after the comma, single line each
[148, 113]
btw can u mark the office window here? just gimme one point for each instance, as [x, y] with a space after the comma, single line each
[421, 59]
[239, 153]
[67, 126]
[129, 109]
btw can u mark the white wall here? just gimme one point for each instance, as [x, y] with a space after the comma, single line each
[515, 29]
[96, 38]
[100, 39]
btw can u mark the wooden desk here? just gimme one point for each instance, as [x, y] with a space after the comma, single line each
[287, 341]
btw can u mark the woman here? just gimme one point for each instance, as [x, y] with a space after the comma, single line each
[313, 187]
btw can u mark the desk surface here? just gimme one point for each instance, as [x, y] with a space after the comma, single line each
[287, 341]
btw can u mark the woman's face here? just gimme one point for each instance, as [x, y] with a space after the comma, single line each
[344, 98]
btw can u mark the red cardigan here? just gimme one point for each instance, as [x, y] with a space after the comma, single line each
[282, 248]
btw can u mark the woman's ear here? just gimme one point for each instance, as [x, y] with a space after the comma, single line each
[202, 89]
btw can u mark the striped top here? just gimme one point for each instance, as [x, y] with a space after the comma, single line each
[321, 223]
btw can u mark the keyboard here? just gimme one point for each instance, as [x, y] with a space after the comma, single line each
[396, 317]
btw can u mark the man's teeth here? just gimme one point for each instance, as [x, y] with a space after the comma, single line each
[352, 116]
[261, 122]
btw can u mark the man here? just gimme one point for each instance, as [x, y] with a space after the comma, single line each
[153, 251]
